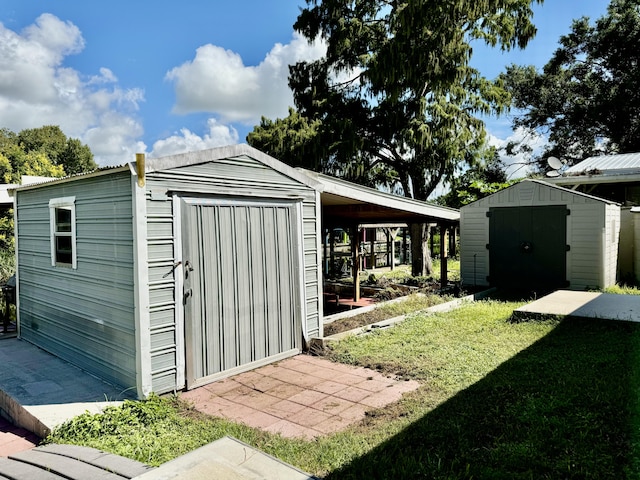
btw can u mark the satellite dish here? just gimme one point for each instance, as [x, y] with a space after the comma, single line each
[555, 163]
[553, 173]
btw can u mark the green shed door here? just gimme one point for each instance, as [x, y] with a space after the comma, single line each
[241, 286]
[527, 247]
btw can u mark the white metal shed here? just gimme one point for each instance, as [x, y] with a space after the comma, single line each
[535, 235]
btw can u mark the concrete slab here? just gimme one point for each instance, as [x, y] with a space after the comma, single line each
[226, 458]
[564, 303]
[39, 391]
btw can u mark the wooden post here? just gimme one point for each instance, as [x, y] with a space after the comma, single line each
[431, 240]
[325, 252]
[372, 256]
[443, 256]
[391, 247]
[452, 241]
[355, 260]
[404, 245]
[332, 253]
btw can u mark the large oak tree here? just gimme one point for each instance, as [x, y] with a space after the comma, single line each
[394, 99]
[586, 99]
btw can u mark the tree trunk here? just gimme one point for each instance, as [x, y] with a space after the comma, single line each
[421, 264]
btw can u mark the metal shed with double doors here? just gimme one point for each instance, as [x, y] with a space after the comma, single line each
[188, 269]
[534, 235]
[167, 277]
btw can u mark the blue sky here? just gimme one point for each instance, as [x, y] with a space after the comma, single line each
[166, 77]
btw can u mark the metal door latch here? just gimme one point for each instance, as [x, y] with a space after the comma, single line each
[175, 265]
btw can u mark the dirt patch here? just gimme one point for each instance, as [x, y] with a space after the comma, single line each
[412, 304]
[350, 323]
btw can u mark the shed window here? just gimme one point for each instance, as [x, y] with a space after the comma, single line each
[63, 231]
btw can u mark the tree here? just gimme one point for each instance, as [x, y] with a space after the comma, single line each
[70, 153]
[484, 178]
[395, 94]
[45, 152]
[587, 97]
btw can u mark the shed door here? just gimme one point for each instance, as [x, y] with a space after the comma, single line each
[241, 286]
[527, 247]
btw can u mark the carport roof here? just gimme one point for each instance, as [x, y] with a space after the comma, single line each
[346, 201]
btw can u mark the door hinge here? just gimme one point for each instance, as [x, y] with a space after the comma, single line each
[567, 248]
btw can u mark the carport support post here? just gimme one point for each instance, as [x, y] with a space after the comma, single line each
[374, 235]
[443, 256]
[332, 253]
[404, 245]
[355, 261]
[391, 247]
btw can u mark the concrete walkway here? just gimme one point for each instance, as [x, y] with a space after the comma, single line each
[39, 391]
[228, 459]
[563, 303]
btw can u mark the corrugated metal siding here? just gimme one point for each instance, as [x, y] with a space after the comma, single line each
[311, 252]
[162, 301]
[607, 163]
[238, 177]
[85, 316]
[245, 303]
[586, 262]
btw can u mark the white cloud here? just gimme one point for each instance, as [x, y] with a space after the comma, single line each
[36, 89]
[518, 166]
[113, 139]
[219, 135]
[217, 81]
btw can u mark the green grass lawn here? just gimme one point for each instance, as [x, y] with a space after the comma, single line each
[499, 400]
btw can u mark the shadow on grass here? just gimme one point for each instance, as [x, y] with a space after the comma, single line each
[566, 407]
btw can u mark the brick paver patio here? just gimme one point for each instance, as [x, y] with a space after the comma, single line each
[302, 396]
[14, 439]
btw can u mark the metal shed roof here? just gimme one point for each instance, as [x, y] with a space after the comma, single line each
[621, 163]
[623, 167]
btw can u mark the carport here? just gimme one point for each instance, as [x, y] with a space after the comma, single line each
[345, 204]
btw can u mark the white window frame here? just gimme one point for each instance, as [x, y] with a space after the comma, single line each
[66, 203]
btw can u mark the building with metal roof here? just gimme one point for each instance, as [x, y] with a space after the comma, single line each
[615, 178]
[171, 273]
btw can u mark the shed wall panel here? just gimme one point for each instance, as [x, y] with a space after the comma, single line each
[86, 315]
